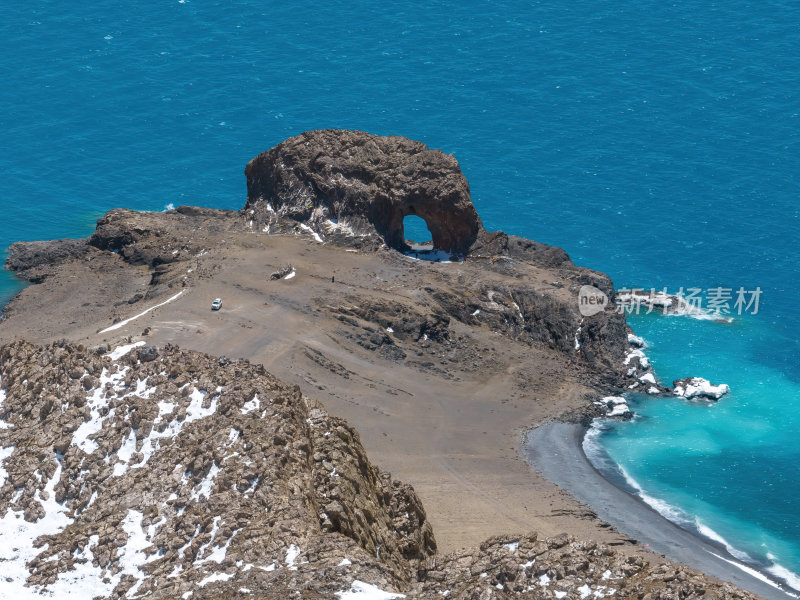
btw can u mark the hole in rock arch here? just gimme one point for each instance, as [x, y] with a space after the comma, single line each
[416, 232]
[419, 241]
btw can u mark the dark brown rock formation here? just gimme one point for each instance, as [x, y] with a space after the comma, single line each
[38, 259]
[368, 183]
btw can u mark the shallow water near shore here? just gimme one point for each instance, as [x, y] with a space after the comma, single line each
[729, 470]
[657, 143]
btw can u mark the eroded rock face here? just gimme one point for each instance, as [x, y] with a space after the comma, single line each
[162, 473]
[366, 183]
[559, 567]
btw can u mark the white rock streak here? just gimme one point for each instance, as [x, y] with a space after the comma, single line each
[121, 324]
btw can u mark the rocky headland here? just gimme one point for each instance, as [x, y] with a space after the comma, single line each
[149, 449]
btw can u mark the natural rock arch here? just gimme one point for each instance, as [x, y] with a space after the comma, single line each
[415, 229]
[370, 182]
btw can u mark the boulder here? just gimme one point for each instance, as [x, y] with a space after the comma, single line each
[697, 387]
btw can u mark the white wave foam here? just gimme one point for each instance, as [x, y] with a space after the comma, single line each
[713, 535]
[749, 570]
[754, 573]
[594, 451]
[784, 574]
[665, 509]
[593, 448]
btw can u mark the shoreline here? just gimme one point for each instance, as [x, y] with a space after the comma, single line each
[555, 449]
[363, 356]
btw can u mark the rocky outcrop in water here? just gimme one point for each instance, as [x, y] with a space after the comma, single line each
[363, 184]
[697, 387]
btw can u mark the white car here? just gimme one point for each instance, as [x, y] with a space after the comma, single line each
[216, 304]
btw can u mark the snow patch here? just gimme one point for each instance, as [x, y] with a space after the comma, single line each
[214, 577]
[141, 314]
[96, 402]
[619, 410]
[305, 227]
[204, 487]
[431, 255]
[124, 454]
[512, 547]
[291, 556]
[121, 351]
[18, 548]
[250, 406]
[647, 378]
[194, 412]
[365, 591]
[132, 554]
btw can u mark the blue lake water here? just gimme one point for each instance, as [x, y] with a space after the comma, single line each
[657, 142]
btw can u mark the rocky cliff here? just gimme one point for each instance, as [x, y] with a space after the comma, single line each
[363, 184]
[157, 472]
[154, 472]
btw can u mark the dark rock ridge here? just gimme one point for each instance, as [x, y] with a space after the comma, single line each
[39, 259]
[160, 473]
[334, 179]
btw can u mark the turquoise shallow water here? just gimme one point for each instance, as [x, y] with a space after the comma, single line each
[657, 142]
[729, 470]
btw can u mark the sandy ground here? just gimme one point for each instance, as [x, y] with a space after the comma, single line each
[556, 451]
[457, 440]
[456, 432]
